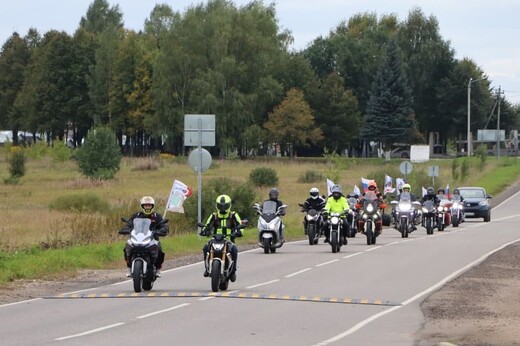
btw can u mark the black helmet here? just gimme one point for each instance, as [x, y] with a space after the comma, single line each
[456, 192]
[273, 194]
[430, 191]
[440, 190]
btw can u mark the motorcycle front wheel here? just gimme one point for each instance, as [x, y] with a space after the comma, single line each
[137, 276]
[267, 244]
[215, 276]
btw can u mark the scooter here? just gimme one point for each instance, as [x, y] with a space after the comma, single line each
[270, 225]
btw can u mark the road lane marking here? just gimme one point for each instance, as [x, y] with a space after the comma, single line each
[352, 255]
[165, 310]
[414, 298]
[90, 331]
[372, 248]
[263, 283]
[325, 263]
[298, 272]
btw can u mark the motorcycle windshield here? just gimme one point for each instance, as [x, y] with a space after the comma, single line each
[455, 198]
[370, 196]
[142, 226]
[429, 205]
[269, 210]
[405, 197]
[352, 202]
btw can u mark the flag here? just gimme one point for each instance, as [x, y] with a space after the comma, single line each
[330, 184]
[178, 194]
[388, 184]
[447, 192]
[399, 182]
[365, 183]
[424, 191]
[357, 191]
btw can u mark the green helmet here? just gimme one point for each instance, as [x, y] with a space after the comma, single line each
[406, 186]
[223, 204]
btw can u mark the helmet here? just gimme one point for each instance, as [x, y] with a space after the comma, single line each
[314, 192]
[273, 194]
[430, 191]
[372, 184]
[440, 190]
[336, 191]
[147, 200]
[456, 192]
[223, 203]
[406, 186]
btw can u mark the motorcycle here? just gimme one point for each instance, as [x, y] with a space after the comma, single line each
[429, 213]
[370, 214]
[313, 218]
[353, 216]
[270, 225]
[335, 224]
[405, 213]
[443, 212]
[457, 207]
[143, 253]
[218, 262]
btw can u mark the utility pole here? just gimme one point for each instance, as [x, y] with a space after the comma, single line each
[498, 123]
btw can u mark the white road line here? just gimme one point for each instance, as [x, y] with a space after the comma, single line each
[395, 242]
[325, 263]
[299, 272]
[206, 298]
[264, 283]
[90, 331]
[165, 310]
[372, 248]
[352, 255]
[414, 298]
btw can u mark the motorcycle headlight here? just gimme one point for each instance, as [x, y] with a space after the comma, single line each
[334, 220]
[460, 206]
[271, 226]
[424, 210]
[440, 208]
[309, 218]
[445, 209]
[405, 207]
[218, 246]
[370, 208]
[376, 216]
[484, 202]
[365, 216]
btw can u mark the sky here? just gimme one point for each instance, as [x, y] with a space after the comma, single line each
[487, 31]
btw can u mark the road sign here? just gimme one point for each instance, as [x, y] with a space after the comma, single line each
[405, 167]
[199, 158]
[433, 171]
[199, 130]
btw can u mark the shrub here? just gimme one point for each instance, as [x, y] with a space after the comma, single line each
[17, 164]
[60, 152]
[454, 166]
[311, 177]
[464, 169]
[87, 202]
[263, 177]
[146, 164]
[100, 156]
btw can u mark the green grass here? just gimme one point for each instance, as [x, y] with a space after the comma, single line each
[507, 171]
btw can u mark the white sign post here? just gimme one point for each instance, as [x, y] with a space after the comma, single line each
[433, 171]
[199, 130]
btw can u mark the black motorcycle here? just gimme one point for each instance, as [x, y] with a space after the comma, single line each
[142, 251]
[429, 216]
[370, 214]
[218, 261]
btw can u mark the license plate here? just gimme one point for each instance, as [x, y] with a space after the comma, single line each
[469, 214]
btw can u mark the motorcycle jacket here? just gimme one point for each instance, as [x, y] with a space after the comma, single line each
[339, 205]
[317, 204]
[412, 197]
[155, 218]
[431, 198]
[223, 223]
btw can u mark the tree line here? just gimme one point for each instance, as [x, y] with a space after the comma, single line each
[371, 79]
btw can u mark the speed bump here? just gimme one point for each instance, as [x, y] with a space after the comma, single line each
[226, 295]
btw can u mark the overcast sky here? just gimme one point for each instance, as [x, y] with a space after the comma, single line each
[487, 31]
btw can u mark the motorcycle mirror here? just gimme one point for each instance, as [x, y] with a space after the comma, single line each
[200, 224]
[124, 219]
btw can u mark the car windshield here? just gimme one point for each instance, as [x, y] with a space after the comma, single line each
[473, 193]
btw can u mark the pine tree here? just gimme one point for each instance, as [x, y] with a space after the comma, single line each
[389, 116]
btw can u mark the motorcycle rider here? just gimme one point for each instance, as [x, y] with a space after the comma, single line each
[313, 202]
[337, 203]
[147, 206]
[372, 186]
[273, 196]
[430, 196]
[456, 192]
[223, 221]
[407, 188]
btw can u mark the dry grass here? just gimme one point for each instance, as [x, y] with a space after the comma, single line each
[31, 222]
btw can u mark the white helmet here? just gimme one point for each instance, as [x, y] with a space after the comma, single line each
[147, 200]
[314, 192]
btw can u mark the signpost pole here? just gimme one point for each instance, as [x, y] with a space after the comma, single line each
[199, 174]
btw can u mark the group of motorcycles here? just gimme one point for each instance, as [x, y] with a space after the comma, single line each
[370, 210]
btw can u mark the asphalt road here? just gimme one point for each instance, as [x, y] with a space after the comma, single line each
[301, 295]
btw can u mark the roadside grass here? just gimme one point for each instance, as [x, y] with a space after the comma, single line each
[39, 242]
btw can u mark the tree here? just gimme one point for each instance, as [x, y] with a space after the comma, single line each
[100, 17]
[292, 123]
[100, 156]
[389, 116]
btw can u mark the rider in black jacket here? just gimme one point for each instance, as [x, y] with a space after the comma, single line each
[313, 202]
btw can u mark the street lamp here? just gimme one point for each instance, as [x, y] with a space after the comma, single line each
[469, 112]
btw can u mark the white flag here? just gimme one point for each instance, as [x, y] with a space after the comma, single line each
[178, 194]
[388, 184]
[357, 191]
[330, 184]
[424, 191]
[399, 182]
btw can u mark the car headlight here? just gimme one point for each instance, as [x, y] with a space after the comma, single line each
[484, 202]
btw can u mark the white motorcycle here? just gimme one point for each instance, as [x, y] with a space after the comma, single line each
[270, 225]
[457, 215]
[405, 213]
